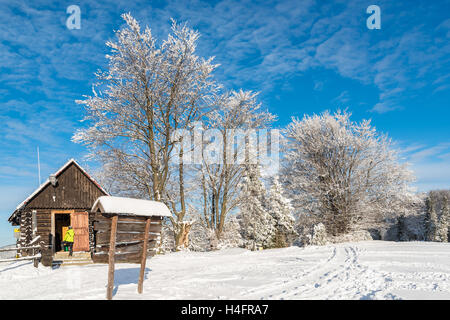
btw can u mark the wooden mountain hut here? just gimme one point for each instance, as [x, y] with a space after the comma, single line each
[66, 198]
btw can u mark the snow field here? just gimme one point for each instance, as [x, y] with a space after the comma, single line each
[353, 270]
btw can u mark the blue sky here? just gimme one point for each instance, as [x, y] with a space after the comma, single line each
[302, 56]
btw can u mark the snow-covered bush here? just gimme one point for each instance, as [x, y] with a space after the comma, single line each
[202, 238]
[315, 235]
[319, 235]
[231, 235]
[167, 239]
[355, 236]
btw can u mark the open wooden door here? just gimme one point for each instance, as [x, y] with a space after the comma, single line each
[80, 224]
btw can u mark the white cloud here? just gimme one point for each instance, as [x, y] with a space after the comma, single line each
[430, 164]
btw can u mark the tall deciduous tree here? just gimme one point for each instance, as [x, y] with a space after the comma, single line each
[147, 93]
[342, 172]
[236, 118]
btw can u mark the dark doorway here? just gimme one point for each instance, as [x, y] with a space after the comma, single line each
[62, 222]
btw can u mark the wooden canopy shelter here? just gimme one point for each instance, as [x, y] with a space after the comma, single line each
[127, 230]
[64, 199]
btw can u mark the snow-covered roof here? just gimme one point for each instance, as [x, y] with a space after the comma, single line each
[130, 206]
[47, 182]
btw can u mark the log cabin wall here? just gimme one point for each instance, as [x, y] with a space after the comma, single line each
[74, 190]
[129, 238]
[25, 231]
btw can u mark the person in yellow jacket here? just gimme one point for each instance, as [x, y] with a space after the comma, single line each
[68, 240]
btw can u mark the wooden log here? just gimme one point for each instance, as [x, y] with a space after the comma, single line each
[123, 219]
[131, 247]
[103, 238]
[126, 227]
[129, 257]
[37, 256]
[126, 219]
[144, 256]
[21, 248]
[112, 246]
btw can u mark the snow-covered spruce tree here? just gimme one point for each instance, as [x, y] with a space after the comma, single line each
[344, 173]
[402, 228]
[167, 243]
[431, 217]
[257, 225]
[319, 235]
[443, 224]
[281, 210]
[147, 93]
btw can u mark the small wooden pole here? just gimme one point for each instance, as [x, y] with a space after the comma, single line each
[35, 261]
[144, 256]
[112, 249]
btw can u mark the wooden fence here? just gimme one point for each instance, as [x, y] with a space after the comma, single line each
[33, 252]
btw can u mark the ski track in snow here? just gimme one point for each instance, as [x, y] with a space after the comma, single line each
[359, 270]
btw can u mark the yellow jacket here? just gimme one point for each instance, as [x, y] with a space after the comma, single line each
[69, 235]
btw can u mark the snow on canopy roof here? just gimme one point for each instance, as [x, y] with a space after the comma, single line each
[130, 206]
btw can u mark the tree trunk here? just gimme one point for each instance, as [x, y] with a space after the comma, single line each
[182, 236]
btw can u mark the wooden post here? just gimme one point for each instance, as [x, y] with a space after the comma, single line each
[144, 255]
[112, 249]
[35, 261]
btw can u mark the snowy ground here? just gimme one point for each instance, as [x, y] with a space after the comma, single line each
[360, 270]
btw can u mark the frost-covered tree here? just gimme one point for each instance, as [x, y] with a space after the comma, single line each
[319, 235]
[237, 114]
[281, 210]
[231, 236]
[257, 225]
[203, 238]
[431, 217]
[443, 224]
[342, 172]
[167, 243]
[402, 228]
[147, 93]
